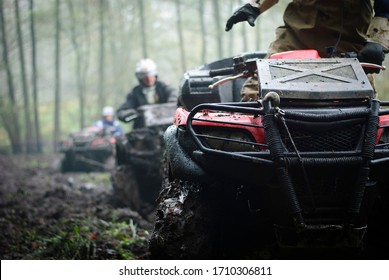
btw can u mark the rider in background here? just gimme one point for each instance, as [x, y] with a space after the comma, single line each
[108, 122]
[331, 27]
[149, 90]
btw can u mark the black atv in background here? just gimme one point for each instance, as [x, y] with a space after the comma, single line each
[137, 178]
[298, 173]
[88, 150]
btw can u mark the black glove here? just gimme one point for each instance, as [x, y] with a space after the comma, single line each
[245, 13]
[372, 53]
[126, 115]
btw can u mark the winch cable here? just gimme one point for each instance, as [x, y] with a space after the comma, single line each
[279, 114]
[277, 153]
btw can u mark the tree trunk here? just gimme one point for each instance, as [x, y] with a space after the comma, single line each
[101, 89]
[77, 50]
[116, 55]
[203, 32]
[258, 34]
[85, 62]
[9, 114]
[34, 74]
[230, 34]
[57, 92]
[143, 28]
[29, 142]
[244, 33]
[219, 29]
[244, 38]
[123, 55]
[181, 36]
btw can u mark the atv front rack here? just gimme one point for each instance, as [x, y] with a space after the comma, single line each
[329, 137]
[293, 139]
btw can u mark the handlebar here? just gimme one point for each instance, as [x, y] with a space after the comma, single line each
[363, 64]
[221, 72]
[372, 65]
[131, 118]
[222, 81]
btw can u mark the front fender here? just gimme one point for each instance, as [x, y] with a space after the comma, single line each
[182, 166]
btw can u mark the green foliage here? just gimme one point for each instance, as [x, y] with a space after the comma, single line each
[125, 235]
[33, 163]
[96, 177]
[74, 243]
[82, 240]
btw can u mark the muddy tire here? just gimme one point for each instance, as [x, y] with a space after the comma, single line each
[125, 187]
[120, 153]
[67, 164]
[183, 228]
[208, 221]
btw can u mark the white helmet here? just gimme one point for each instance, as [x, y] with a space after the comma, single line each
[108, 111]
[145, 67]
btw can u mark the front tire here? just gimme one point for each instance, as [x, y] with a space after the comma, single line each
[183, 228]
[67, 163]
[209, 221]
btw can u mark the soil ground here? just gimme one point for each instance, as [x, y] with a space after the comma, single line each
[46, 214]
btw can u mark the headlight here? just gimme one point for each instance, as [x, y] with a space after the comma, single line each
[228, 140]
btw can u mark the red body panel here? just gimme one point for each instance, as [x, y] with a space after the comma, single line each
[298, 54]
[230, 120]
[383, 121]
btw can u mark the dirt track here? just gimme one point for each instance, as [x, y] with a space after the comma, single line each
[45, 214]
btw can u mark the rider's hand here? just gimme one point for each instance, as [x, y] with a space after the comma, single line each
[123, 115]
[245, 13]
[372, 53]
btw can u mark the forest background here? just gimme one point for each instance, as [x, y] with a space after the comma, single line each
[63, 60]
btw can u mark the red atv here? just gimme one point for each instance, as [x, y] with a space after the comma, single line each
[88, 150]
[299, 171]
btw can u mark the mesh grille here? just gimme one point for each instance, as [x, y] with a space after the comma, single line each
[338, 139]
